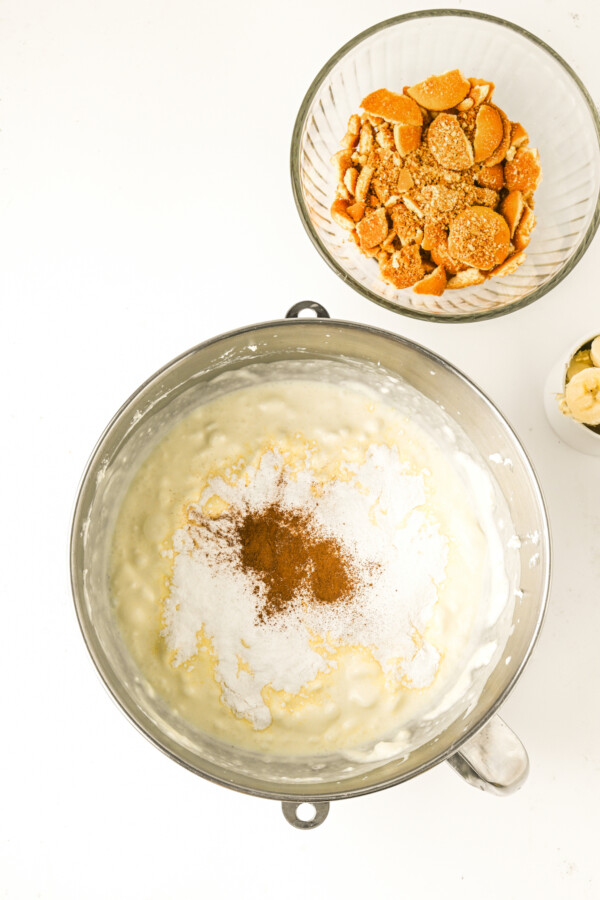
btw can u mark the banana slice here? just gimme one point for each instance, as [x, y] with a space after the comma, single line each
[582, 396]
[595, 351]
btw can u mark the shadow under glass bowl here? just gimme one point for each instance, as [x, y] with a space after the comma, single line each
[534, 86]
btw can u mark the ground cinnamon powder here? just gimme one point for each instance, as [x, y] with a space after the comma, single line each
[284, 551]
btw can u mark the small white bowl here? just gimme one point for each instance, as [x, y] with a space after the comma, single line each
[578, 436]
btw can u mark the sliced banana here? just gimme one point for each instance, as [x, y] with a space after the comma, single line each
[595, 351]
[582, 396]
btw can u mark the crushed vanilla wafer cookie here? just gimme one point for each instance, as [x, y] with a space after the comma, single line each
[437, 184]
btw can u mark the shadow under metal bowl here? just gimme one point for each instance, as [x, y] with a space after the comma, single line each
[534, 86]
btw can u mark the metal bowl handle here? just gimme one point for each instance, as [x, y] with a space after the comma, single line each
[494, 760]
[296, 309]
[290, 811]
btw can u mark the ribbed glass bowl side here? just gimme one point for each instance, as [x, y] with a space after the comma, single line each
[533, 85]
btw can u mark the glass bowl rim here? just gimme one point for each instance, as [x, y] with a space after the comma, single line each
[538, 292]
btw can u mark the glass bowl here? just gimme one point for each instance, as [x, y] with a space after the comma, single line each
[534, 85]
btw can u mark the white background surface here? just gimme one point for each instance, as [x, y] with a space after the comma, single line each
[146, 206]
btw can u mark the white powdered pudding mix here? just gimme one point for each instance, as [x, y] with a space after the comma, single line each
[377, 512]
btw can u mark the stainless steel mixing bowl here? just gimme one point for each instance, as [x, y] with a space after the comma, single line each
[477, 743]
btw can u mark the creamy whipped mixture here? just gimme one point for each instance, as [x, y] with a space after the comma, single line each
[316, 677]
